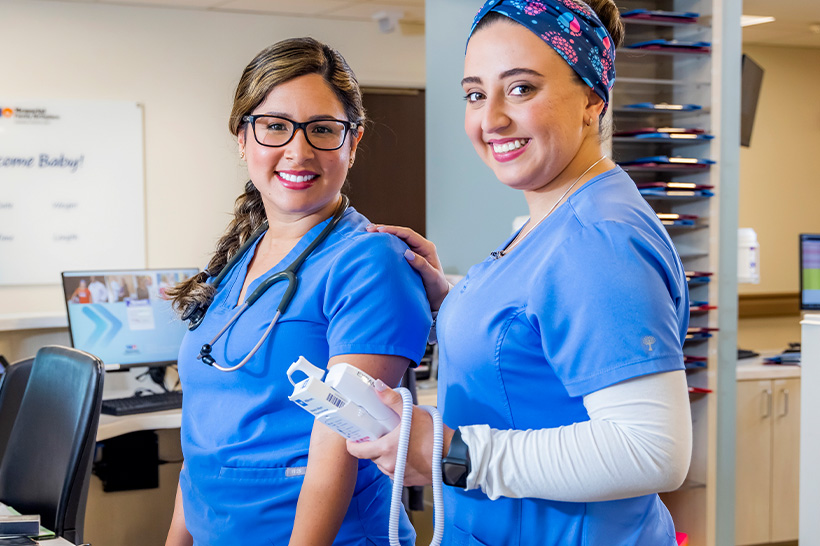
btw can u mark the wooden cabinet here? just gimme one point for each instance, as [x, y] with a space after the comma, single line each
[767, 471]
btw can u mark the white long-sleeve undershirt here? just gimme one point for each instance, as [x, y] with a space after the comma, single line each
[638, 441]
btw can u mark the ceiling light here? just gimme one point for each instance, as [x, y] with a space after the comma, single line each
[749, 20]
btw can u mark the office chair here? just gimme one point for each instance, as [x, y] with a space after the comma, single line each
[47, 466]
[11, 394]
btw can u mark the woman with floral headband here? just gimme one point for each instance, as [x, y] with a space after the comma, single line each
[561, 377]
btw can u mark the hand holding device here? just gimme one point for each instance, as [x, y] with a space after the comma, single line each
[420, 452]
[347, 402]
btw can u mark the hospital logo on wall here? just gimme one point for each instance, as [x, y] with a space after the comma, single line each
[27, 115]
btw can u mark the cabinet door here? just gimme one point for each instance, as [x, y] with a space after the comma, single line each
[753, 470]
[785, 460]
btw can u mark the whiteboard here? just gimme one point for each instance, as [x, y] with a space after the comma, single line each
[71, 188]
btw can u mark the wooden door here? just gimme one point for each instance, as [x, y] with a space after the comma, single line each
[753, 470]
[785, 460]
[387, 182]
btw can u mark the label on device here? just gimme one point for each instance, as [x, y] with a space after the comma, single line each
[346, 402]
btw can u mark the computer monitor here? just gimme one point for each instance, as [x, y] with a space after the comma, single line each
[809, 271]
[123, 317]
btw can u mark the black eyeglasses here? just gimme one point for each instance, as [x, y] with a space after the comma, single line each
[322, 134]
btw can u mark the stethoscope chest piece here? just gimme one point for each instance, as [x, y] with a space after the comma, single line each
[194, 314]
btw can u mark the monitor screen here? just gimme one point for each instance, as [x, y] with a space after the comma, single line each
[123, 317]
[809, 271]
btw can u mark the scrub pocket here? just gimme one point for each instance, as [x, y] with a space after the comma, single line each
[244, 505]
[453, 536]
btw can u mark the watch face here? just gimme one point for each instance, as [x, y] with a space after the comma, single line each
[454, 473]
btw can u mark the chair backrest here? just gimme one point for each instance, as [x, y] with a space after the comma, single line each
[47, 466]
[11, 394]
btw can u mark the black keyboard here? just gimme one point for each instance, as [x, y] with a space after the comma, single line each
[143, 404]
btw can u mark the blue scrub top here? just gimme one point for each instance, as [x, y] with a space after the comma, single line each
[593, 296]
[245, 444]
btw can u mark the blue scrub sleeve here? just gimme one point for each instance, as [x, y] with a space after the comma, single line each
[375, 302]
[614, 306]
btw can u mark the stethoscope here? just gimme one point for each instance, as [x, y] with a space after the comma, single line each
[196, 312]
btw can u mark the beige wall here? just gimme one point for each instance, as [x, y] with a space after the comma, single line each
[768, 334]
[779, 179]
[176, 63]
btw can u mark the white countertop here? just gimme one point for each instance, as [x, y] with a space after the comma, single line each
[33, 321]
[111, 426]
[749, 369]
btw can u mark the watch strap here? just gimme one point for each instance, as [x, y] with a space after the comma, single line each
[455, 466]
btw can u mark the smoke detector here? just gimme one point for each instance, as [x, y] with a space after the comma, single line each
[387, 20]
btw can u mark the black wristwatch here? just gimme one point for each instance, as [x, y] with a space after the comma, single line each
[455, 466]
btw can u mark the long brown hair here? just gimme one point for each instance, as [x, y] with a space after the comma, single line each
[275, 65]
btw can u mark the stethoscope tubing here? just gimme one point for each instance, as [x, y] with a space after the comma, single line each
[288, 274]
[255, 347]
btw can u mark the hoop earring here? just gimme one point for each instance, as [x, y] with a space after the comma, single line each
[242, 155]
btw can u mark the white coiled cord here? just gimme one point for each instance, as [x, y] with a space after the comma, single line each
[401, 461]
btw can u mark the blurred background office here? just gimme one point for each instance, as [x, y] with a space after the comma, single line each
[177, 60]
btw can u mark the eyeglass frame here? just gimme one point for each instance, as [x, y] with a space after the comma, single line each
[348, 126]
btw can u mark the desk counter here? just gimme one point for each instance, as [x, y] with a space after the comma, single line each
[57, 541]
[111, 425]
[426, 392]
[754, 368]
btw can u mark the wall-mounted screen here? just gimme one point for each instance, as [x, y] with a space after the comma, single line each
[751, 79]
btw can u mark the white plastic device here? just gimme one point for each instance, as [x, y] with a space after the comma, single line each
[345, 401]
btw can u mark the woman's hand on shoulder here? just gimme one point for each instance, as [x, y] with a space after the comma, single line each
[422, 256]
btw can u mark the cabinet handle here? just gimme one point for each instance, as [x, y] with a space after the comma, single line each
[767, 404]
[785, 402]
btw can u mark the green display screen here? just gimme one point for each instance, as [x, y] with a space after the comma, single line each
[809, 271]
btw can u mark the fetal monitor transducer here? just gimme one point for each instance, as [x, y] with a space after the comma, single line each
[347, 402]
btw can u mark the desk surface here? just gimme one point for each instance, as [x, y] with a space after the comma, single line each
[58, 541]
[111, 425]
[426, 392]
[749, 369]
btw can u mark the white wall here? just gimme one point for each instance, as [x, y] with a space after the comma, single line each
[469, 212]
[182, 65]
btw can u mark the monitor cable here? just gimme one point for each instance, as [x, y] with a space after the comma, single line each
[401, 462]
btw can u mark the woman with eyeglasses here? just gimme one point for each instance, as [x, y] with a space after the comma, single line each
[561, 378]
[257, 469]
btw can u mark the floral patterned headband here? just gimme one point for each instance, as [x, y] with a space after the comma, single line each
[573, 30]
